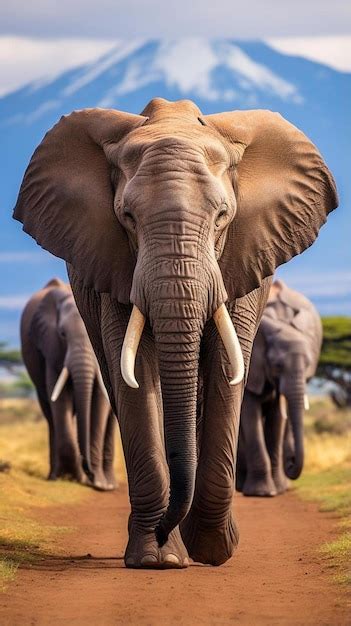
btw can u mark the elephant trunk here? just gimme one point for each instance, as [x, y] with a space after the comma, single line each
[83, 371]
[178, 354]
[294, 457]
[179, 297]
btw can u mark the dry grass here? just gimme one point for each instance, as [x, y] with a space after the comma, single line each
[24, 488]
[325, 451]
[24, 439]
[325, 418]
[327, 476]
[7, 572]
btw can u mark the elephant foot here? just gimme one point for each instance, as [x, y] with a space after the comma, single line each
[102, 486]
[280, 481]
[68, 474]
[84, 480]
[68, 463]
[143, 551]
[239, 481]
[98, 481]
[110, 479]
[206, 544]
[259, 487]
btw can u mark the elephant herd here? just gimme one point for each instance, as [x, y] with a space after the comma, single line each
[172, 224]
[61, 362]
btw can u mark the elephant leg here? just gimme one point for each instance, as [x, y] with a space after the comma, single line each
[35, 364]
[259, 481]
[46, 410]
[66, 455]
[139, 413]
[45, 407]
[274, 429]
[109, 452]
[209, 530]
[241, 469]
[100, 409]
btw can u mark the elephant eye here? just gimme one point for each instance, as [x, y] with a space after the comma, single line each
[221, 218]
[130, 220]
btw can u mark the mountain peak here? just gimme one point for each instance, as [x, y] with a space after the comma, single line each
[217, 75]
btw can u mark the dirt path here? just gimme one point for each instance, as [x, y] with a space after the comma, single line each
[276, 577]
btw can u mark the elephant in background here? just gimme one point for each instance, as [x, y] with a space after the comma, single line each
[284, 357]
[172, 223]
[62, 365]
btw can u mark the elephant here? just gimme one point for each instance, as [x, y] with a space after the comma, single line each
[62, 365]
[171, 224]
[284, 357]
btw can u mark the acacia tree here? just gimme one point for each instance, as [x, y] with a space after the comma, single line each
[21, 386]
[9, 357]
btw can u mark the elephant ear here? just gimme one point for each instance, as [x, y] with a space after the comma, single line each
[66, 198]
[44, 325]
[306, 318]
[284, 193]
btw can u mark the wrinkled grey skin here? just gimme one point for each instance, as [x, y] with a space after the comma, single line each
[175, 213]
[53, 335]
[284, 356]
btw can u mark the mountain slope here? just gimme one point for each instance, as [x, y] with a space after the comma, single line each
[219, 75]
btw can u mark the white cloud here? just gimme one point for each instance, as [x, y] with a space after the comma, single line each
[332, 51]
[154, 18]
[13, 303]
[24, 60]
[327, 285]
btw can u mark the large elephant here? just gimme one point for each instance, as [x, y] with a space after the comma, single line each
[62, 365]
[163, 218]
[284, 357]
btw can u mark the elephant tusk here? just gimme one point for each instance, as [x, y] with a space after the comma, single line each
[130, 346]
[60, 383]
[283, 407]
[102, 384]
[231, 343]
[306, 402]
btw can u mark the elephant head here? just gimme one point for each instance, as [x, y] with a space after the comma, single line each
[59, 331]
[175, 212]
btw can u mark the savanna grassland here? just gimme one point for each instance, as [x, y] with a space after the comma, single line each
[24, 492]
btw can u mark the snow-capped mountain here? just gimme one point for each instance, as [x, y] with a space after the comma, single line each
[218, 76]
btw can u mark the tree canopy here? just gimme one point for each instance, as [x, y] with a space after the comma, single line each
[336, 348]
[335, 360]
[9, 357]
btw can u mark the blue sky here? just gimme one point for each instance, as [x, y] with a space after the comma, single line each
[43, 38]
